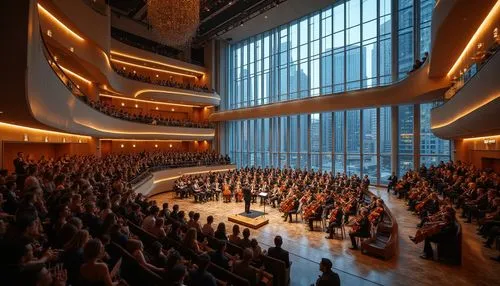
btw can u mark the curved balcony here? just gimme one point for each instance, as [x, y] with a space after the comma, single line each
[417, 87]
[473, 110]
[450, 19]
[53, 104]
[91, 50]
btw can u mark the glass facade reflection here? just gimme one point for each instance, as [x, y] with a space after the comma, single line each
[350, 45]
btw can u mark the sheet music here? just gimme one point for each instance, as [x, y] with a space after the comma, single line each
[263, 194]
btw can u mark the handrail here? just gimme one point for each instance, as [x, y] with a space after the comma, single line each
[140, 179]
[455, 88]
[79, 94]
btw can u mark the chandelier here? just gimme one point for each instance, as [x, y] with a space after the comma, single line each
[174, 21]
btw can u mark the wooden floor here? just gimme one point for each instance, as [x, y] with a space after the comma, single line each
[406, 268]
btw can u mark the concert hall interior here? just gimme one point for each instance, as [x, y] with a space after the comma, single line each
[250, 142]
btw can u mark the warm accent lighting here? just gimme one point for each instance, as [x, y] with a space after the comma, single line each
[46, 139]
[146, 101]
[170, 145]
[173, 92]
[486, 22]
[133, 145]
[72, 49]
[485, 139]
[75, 74]
[173, 109]
[175, 22]
[156, 108]
[25, 128]
[122, 145]
[89, 125]
[466, 112]
[49, 33]
[61, 24]
[150, 68]
[25, 137]
[192, 173]
[158, 63]
[137, 105]
[156, 145]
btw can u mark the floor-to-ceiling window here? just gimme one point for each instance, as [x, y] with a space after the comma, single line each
[345, 46]
[349, 45]
[432, 149]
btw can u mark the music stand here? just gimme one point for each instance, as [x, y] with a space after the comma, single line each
[263, 196]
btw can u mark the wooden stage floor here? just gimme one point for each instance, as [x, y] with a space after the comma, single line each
[405, 268]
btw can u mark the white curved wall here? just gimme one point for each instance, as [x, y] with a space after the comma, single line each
[93, 55]
[163, 181]
[54, 105]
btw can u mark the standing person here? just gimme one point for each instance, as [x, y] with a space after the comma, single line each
[393, 180]
[20, 168]
[328, 277]
[247, 196]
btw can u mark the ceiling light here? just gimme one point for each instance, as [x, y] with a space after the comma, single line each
[170, 145]
[123, 104]
[157, 75]
[156, 145]
[136, 105]
[133, 145]
[173, 109]
[157, 108]
[122, 146]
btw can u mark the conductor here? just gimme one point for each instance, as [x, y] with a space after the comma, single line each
[247, 197]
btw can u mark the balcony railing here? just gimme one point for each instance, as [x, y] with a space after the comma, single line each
[108, 110]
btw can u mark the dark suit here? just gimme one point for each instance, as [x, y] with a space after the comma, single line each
[393, 180]
[363, 231]
[328, 278]
[280, 254]
[247, 196]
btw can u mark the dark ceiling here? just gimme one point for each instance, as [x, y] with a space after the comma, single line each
[216, 16]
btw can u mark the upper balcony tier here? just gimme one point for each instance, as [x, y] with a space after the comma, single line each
[48, 94]
[98, 55]
[473, 110]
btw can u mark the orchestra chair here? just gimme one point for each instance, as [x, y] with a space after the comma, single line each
[297, 212]
[321, 223]
[341, 229]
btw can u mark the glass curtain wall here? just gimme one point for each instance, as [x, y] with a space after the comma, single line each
[349, 45]
[352, 141]
[343, 47]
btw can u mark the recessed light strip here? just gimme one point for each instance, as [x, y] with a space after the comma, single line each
[481, 138]
[467, 112]
[173, 92]
[9, 125]
[146, 140]
[75, 74]
[212, 134]
[156, 62]
[146, 101]
[193, 173]
[151, 68]
[54, 19]
[472, 41]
